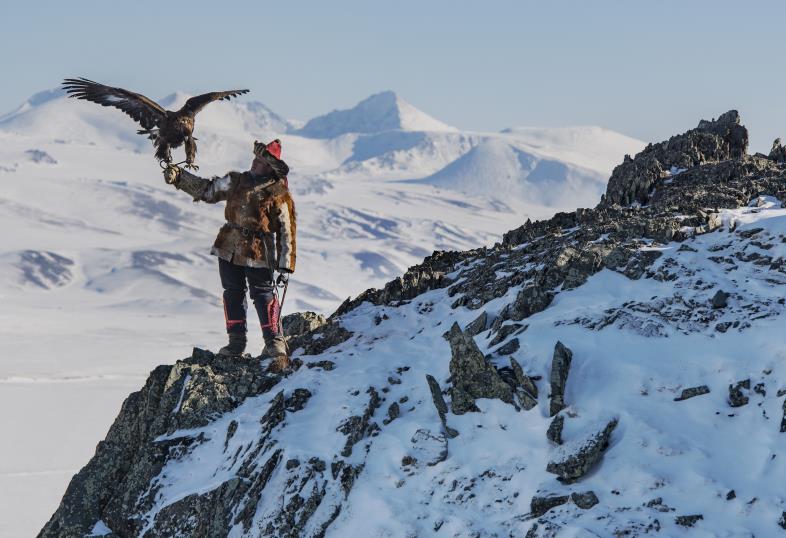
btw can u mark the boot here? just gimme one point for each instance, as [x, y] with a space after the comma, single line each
[236, 345]
[279, 365]
[276, 349]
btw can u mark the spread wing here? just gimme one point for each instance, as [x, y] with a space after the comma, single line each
[197, 103]
[147, 112]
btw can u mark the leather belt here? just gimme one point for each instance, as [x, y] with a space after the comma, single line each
[246, 232]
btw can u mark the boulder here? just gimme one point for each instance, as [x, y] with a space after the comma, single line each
[543, 502]
[560, 366]
[554, 433]
[325, 336]
[525, 388]
[720, 299]
[585, 500]
[738, 393]
[688, 521]
[301, 323]
[575, 459]
[473, 377]
[692, 392]
[439, 403]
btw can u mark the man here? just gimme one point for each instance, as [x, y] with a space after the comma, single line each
[258, 238]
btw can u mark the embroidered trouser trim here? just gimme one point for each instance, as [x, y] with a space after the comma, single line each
[258, 282]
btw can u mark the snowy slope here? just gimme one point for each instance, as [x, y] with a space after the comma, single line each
[292, 460]
[588, 147]
[101, 254]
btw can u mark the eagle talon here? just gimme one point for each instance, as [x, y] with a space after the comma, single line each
[191, 166]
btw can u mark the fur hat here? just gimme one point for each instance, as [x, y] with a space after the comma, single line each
[273, 147]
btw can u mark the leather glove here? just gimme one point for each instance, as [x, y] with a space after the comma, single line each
[282, 279]
[171, 174]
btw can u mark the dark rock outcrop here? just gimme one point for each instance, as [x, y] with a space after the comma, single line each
[94, 492]
[478, 325]
[357, 427]
[576, 460]
[711, 141]
[524, 388]
[502, 330]
[508, 348]
[554, 433]
[439, 403]
[530, 300]
[473, 377]
[115, 485]
[316, 341]
[778, 151]
[426, 276]
[585, 500]
[720, 299]
[692, 392]
[543, 502]
[688, 521]
[738, 393]
[560, 366]
[301, 323]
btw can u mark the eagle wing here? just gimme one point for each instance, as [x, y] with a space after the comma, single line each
[147, 112]
[198, 102]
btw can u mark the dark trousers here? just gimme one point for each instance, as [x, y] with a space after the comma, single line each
[261, 289]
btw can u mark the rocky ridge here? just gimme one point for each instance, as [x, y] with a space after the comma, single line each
[262, 481]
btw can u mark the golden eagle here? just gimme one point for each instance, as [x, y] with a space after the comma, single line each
[167, 129]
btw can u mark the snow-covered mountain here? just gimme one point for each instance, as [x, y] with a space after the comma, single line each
[109, 266]
[381, 112]
[497, 166]
[613, 371]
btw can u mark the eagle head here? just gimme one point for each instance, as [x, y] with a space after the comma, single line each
[186, 125]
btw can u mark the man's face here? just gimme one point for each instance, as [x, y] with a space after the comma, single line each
[260, 167]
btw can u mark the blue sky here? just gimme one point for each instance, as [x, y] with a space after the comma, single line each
[647, 69]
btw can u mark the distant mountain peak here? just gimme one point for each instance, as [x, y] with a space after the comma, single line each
[175, 100]
[384, 111]
[35, 100]
[46, 95]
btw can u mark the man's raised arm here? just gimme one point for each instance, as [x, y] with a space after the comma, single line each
[201, 189]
